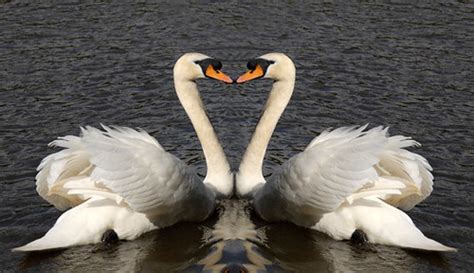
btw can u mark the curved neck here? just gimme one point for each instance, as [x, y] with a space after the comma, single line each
[218, 176]
[250, 169]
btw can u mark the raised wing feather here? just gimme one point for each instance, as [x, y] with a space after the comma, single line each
[409, 168]
[58, 168]
[120, 163]
[133, 165]
[349, 163]
[335, 164]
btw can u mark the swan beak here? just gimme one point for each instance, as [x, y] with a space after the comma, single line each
[213, 73]
[251, 75]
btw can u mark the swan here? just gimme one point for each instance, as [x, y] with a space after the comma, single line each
[121, 183]
[348, 182]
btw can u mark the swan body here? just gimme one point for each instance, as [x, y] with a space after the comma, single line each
[122, 179]
[346, 179]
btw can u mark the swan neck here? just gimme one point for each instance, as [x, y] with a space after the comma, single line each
[218, 176]
[250, 170]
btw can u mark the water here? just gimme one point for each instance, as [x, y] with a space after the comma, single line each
[407, 66]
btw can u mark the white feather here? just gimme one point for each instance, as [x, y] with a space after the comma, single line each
[130, 170]
[383, 224]
[110, 173]
[85, 224]
[346, 179]
[337, 184]
[122, 179]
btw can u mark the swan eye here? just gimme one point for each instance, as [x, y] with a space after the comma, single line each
[252, 64]
[217, 65]
[204, 64]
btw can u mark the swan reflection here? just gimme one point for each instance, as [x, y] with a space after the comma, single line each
[234, 241]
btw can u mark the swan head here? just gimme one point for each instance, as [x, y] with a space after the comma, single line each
[192, 66]
[275, 66]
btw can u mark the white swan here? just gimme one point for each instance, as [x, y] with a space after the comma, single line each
[121, 179]
[345, 180]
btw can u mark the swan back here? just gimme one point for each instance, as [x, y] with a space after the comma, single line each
[127, 166]
[341, 166]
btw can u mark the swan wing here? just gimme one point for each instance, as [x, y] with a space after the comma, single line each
[68, 165]
[132, 164]
[412, 170]
[349, 163]
[334, 165]
[120, 163]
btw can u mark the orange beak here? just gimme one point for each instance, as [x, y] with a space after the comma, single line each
[251, 75]
[211, 72]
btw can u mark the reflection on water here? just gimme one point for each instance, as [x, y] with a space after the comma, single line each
[234, 241]
[121, 257]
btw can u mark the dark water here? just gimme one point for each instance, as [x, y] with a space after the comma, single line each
[407, 66]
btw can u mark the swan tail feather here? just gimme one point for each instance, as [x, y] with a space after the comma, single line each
[41, 244]
[411, 237]
[381, 222]
[83, 224]
[63, 234]
[391, 226]
[426, 243]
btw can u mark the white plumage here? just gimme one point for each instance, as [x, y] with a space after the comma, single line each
[122, 179]
[346, 179]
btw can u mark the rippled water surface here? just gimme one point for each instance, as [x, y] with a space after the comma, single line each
[407, 66]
